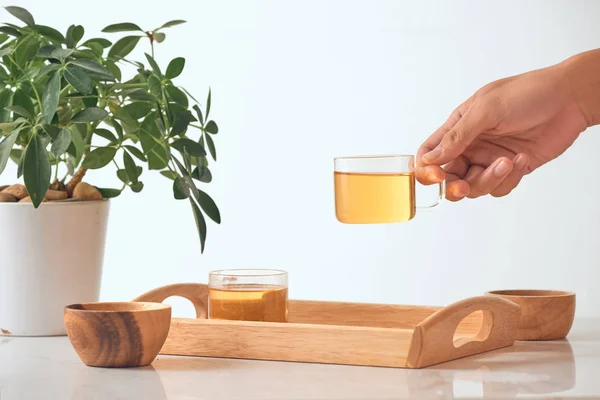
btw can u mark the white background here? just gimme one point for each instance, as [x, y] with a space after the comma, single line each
[296, 83]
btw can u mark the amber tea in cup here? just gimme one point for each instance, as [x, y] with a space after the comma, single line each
[248, 295]
[377, 189]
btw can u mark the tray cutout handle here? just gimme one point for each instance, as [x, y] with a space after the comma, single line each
[487, 321]
[197, 293]
[435, 340]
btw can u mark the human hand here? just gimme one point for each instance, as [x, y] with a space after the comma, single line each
[503, 132]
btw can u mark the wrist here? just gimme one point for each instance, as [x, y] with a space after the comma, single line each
[581, 74]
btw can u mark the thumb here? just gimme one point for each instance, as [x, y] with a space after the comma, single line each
[455, 141]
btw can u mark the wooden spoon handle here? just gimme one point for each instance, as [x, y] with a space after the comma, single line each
[434, 338]
[197, 293]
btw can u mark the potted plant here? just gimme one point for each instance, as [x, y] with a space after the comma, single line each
[70, 104]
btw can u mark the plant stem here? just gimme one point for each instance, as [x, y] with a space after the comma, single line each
[56, 172]
[197, 126]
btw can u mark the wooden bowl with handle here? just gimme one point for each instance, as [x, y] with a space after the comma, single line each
[117, 334]
[545, 314]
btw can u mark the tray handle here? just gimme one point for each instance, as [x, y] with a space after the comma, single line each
[197, 293]
[433, 339]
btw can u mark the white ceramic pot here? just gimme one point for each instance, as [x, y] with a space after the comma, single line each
[50, 257]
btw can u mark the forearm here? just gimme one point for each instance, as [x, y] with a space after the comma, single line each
[582, 73]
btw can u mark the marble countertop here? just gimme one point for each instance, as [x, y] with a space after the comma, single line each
[48, 368]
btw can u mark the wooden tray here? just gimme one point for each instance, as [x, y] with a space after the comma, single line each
[345, 333]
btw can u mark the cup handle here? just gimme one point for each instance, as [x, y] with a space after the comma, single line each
[440, 198]
[441, 194]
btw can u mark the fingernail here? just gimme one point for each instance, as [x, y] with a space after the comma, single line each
[502, 168]
[520, 162]
[433, 154]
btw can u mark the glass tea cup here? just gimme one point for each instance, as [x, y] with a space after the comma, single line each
[248, 295]
[377, 189]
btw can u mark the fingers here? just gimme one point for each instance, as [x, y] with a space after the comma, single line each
[431, 174]
[484, 181]
[477, 118]
[457, 190]
[521, 162]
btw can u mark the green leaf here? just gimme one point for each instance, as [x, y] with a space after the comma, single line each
[96, 48]
[97, 69]
[90, 114]
[211, 147]
[19, 111]
[118, 128]
[15, 155]
[181, 123]
[180, 189]
[153, 64]
[156, 152]
[51, 131]
[106, 134]
[6, 147]
[51, 34]
[208, 205]
[122, 115]
[20, 166]
[211, 127]
[10, 31]
[200, 224]
[123, 46]
[91, 101]
[138, 109]
[141, 95]
[62, 142]
[137, 187]
[122, 27]
[169, 174]
[154, 85]
[79, 80]
[114, 70]
[136, 152]
[101, 41]
[193, 148]
[3, 38]
[108, 193]
[27, 50]
[6, 99]
[175, 67]
[199, 114]
[50, 97]
[77, 144]
[160, 125]
[47, 69]
[85, 53]
[122, 175]
[8, 127]
[159, 37]
[208, 100]
[130, 167]
[202, 174]
[21, 14]
[36, 170]
[172, 23]
[99, 157]
[61, 54]
[177, 96]
[21, 99]
[74, 35]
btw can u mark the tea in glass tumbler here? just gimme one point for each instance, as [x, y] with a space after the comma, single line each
[248, 295]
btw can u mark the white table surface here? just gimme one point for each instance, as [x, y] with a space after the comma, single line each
[48, 368]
